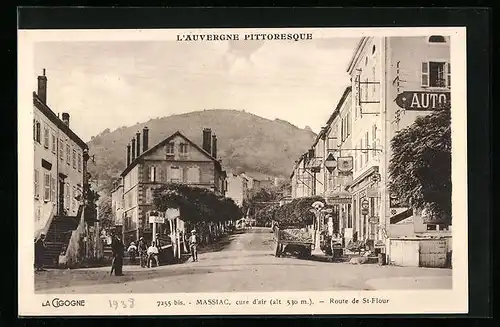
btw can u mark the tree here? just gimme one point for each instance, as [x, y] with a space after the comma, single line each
[420, 166]
[105, 213]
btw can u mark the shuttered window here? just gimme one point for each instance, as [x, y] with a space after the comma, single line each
[53, 189]
[37, 184]
[193, 175]
[152, 174]
[68, 154]
[425, 74]
[46, 187]
[61, 150]
[74, 159]
[46, 137]
[53, 143]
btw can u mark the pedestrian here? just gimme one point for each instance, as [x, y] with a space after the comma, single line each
[153, 254]
[132, 252]
[193, 244]
[40, 247]
[142, 248]
[118, 248]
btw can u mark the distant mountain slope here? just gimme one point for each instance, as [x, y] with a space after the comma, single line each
[245, 142]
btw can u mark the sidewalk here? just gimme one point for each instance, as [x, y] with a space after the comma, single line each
[410, 283]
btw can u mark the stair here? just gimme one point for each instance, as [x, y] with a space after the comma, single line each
[57, 238]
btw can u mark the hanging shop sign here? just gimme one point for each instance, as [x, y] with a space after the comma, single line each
[373, 220]
[365, 204]
[345, 164]
[364, 211]
[156, 219]
[330, 163]
[422, 100]
[373, 192]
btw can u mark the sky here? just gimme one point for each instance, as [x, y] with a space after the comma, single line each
[113, 84]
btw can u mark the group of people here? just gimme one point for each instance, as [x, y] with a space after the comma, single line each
[148, 255]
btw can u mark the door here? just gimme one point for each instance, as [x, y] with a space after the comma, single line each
[433, 253]
[60, 209]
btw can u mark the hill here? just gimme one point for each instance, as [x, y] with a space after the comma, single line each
[245, 142]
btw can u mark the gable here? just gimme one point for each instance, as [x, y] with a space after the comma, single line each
[176, 143]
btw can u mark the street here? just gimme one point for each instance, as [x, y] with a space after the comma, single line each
[242, 262]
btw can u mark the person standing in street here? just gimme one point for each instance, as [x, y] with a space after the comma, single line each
[193, 245]
[118, 250]
[40, 247]
[153, 255]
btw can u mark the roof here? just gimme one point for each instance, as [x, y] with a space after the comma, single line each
[168, 139]
[356, 54]
[45, 109]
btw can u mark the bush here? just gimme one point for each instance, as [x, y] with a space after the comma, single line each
[296, 213]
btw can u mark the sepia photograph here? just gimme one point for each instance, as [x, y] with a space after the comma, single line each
[243, 161]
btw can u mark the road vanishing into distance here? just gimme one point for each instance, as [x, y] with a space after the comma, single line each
[242, 262]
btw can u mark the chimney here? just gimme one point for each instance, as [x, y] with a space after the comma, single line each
[133, 149]
[145, 139]
[214, 146]
[65, 118]
[138, 140]
[207, 133]
[42, 87]
[128, 155]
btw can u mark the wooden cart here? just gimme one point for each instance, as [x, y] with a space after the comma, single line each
[294, 240]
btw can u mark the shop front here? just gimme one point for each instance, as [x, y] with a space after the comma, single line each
[366, 201]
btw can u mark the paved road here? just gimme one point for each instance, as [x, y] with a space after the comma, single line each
[243, 263]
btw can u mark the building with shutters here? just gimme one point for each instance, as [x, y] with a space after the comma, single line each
[393, 81]
[59, 163]
[174, 160]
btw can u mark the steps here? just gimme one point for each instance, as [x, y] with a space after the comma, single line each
[57, 238]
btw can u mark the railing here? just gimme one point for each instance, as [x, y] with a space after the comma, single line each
[45, 228]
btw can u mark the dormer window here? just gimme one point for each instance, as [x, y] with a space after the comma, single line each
[437, 39]
[170, 149]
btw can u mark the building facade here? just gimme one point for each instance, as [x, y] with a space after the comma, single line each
[237, 187]
[59, 162]
[174, 160]
[393, 81]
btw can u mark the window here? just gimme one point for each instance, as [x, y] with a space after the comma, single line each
[348, 124]
[70, 202]
[355, 207]
[46, 137]
[37, 131]
[152, 174]
[61, 150]
[46, 187]
[449, 75]
[53, 189]
[79, 162]
[170, 148]
[68, 154]
[183, 148]
[175, 175]
[342, 130]
[53, 143]
[373, 49]
[366, 147]
[434, 74]
[193, 175]
[431, 227]
[66, 193]
[349, 216]
[437, 39]
[36, 184]
[74, 158]
[372, 207]
[34, 129]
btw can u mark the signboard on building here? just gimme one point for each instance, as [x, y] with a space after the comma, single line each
[156, 219]
[172, 213]
[422, 100]
[339, 197]
[373, 192]
[345, 164]
[330, 162]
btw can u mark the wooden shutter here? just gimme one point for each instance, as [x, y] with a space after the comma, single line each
[425, 74]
